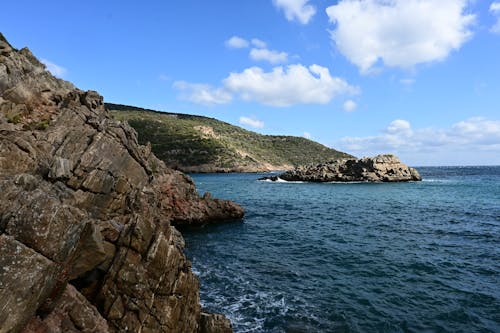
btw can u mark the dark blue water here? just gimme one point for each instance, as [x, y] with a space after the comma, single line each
[406, 257]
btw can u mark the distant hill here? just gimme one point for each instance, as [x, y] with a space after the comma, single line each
[200, 144]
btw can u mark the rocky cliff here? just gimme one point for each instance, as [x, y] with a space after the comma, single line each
[381, 168]
[86, 214]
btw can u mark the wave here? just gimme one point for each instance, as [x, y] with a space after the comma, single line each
[279, 180]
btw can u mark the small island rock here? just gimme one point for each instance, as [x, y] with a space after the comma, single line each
[381, 168]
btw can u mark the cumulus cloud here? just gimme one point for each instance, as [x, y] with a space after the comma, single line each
[295, 84]
[273, 57]
[495, 10]
[252, 122]
[296, 10]
[259, 51]
[472, 136]
[54, 69]
[202, 93]
[399, 33]
[258, 43]
[349, 105]
[236, 42]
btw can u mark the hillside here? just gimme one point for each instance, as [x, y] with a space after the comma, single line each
[200, 144]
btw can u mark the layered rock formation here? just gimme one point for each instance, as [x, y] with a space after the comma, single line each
[86, 242]
[381, 168]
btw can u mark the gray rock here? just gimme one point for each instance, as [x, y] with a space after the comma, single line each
[381, 168]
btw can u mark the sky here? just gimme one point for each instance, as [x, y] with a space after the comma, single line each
[417, 78]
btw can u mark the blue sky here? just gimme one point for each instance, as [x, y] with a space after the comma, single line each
[418, 78]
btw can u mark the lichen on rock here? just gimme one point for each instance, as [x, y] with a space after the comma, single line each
[86, 213]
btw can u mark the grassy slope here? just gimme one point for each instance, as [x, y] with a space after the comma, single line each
[201, 144]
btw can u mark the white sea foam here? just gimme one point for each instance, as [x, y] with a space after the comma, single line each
[279, 180]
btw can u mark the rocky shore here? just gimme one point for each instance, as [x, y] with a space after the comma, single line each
[87, 242]
[381, 168]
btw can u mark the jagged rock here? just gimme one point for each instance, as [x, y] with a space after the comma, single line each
[72, 314]
[381, 168]
[86, 241]
[214, 323]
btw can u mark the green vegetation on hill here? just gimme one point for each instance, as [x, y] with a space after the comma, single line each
[200, 144]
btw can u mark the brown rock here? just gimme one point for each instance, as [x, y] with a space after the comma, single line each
[84, 205]
[73, 313]
[214, 323]
[26, 280]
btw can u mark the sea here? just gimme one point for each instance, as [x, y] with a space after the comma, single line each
[357, 257]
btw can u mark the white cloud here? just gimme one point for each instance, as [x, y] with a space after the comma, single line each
[495, 7]
[399, 126]
[295, 84]
[473, 136]
[236, 42]
[259, 43]
[298, 10]
[349, 105]
[495, 10]
[274, 57]
[56, 70]
[399, 33]
[252, 122]
[307, 135]
[202, 93]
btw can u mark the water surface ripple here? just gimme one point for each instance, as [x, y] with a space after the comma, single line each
[406, 257]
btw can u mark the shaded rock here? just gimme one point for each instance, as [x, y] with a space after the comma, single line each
[86, 241]
[214, 323]
[26, 280]
[381, 168]
[73, 313]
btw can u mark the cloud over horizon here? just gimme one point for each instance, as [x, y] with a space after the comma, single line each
[398, 33]
[472, 136]
[296, 10]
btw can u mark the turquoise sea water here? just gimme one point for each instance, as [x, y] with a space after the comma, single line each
[406, 257]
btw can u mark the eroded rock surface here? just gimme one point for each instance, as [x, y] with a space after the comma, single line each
[86, 242]
[381, 168]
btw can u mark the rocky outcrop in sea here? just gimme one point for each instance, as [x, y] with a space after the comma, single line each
[86, 214]
[381, 168]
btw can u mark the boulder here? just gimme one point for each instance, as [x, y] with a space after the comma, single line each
[86, 213]
[214, 323]
[381, 168]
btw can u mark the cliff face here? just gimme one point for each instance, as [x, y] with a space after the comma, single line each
[381, 168]
[86, 242]
[200, 144]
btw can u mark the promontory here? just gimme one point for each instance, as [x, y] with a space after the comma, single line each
[87, 242]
